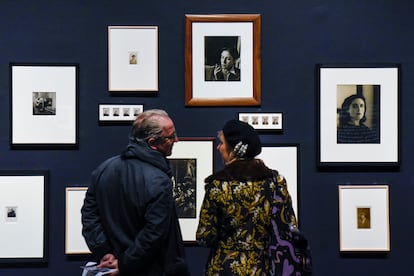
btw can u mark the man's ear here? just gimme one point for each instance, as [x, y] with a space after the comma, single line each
[152, 143]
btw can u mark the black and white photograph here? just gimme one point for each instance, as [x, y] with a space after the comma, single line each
[358, 114]
[184, 186]
[222, 58]
[44, 103]
[11, 213]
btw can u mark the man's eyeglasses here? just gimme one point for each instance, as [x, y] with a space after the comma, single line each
[172, 137]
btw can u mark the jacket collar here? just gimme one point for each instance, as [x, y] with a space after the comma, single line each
[246, 169]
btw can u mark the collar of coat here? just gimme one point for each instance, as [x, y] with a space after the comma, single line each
[246, 169]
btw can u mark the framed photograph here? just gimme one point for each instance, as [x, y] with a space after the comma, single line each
[74, 241]
[364, 218]
[263, 121]
[222, 60]
[44, 105]
[132, 58]
[23, 206]
[285, 159]
[112, 113]
[191, 162]
[358, 113]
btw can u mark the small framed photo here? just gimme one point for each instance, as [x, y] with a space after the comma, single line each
[358, 112]
[364, 218]
[44, 105]
[263, 121]
[222, 60]
[191, 162]
[74, 241]
[285, 159]
[112, 113]
[132, 58]
[23, 206]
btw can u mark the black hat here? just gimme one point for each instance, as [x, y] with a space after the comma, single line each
[236, 131]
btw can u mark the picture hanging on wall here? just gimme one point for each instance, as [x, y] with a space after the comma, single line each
[263, 121]
[191, 162]
[24, 216]
[364, 218]
[358, 112]
[44, 105]
[119, 113]
[132, 58]
[222, 60]
[285, 159]
[74, 241]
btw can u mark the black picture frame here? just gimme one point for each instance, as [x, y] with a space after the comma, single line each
[378, 142]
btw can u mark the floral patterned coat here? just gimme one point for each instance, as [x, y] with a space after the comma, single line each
[235, 218]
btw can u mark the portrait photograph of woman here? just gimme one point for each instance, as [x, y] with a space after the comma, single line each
[358, 114]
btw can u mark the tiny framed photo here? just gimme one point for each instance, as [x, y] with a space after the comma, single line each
[358, 112]
[44, 105]
[263, 121]
[222, 60]
[113, 113]
[132, 58]
[364, 218]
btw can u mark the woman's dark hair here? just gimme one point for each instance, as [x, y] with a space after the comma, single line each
[344, 117]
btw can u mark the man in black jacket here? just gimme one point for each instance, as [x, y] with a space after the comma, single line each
[129, 216]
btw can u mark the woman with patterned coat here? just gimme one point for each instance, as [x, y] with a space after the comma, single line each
[240, 205]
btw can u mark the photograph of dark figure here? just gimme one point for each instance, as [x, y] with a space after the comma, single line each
[184, 186]
[358, 115]
[364, 218]
[222, 58]
[44, 103]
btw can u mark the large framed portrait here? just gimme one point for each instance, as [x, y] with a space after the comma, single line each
[132, 58]
[74, 241]
[191, 162]
[24, 216]
[358, 115]
[285, 159]
[364, 218]
[222, 60]
[44, 105]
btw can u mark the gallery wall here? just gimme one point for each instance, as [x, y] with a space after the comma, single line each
[295, 37]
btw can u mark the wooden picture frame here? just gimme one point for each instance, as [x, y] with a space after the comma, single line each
[74, 241]
[364, 218]
[207, 38]
[132, 58]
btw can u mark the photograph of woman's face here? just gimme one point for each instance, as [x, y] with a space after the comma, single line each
[356, 110]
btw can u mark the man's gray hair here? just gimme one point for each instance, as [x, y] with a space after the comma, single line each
[147, 124]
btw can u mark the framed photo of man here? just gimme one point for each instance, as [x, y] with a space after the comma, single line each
[358, 115]
[222, 60]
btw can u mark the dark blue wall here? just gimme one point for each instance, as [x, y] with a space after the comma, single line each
[295, 36]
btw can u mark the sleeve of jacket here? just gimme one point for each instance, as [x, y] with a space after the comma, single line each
[92, 229]
[152, 238]
[208, 224]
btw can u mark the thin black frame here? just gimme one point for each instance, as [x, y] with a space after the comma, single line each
[44, 258]
[46, 145]
[359, 164]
